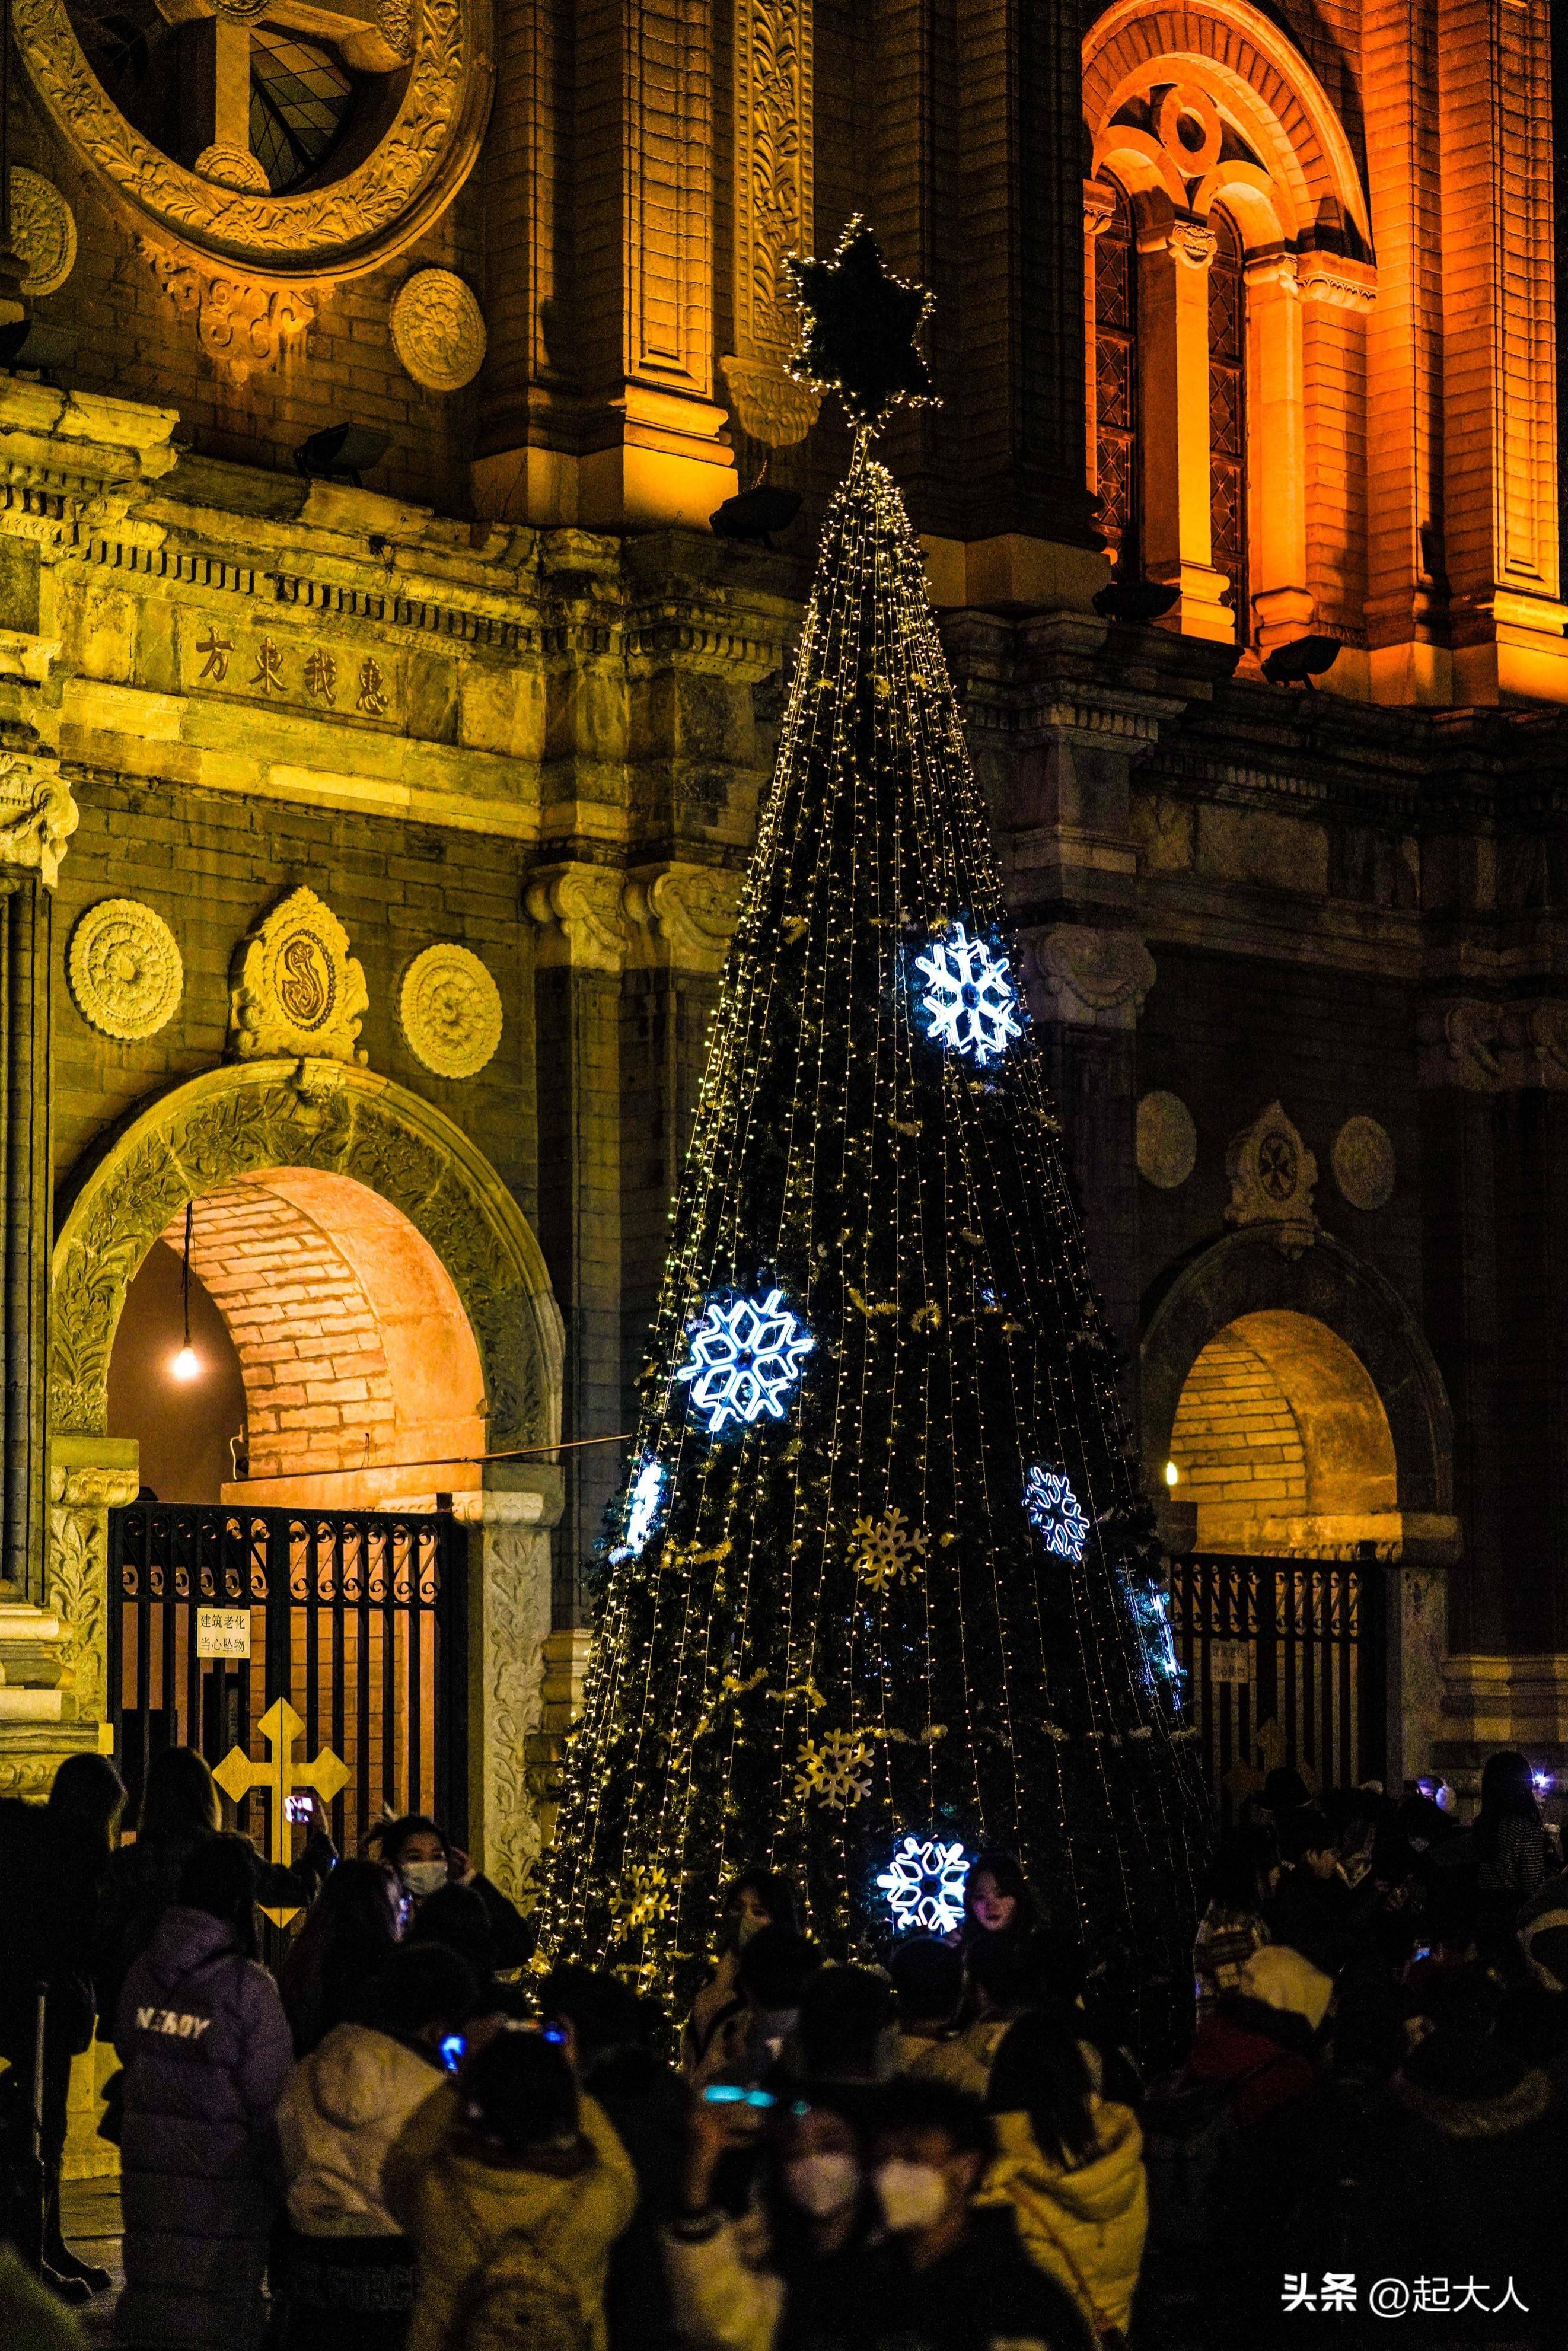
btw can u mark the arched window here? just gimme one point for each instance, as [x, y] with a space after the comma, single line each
[1228, 416]
[1116, 379]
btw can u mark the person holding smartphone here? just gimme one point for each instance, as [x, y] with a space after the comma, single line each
[734, 2278]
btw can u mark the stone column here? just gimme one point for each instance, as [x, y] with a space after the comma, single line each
[1276, 453]
[582, 943]
[682, 915]
[1173, 422]
[509, 1641]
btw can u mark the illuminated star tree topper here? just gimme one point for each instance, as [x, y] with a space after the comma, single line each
[858, 327]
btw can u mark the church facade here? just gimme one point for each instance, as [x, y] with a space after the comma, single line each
[382, 727]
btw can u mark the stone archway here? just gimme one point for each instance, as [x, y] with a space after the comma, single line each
[294, 1131]
[1245, 1275]
[1369, 1439]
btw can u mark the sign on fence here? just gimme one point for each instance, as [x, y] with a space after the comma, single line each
[223, 1632]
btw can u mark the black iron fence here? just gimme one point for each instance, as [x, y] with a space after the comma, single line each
[1284, 1663]
[356, 1617]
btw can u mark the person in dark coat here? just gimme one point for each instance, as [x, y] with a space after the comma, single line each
[1480, 2172]
[457, 1917]
[612, 2032]
[1311, 1909]
[179, 1808]
[206, 2046]
[351, 1932]
[57, 1858]
[425, 1859]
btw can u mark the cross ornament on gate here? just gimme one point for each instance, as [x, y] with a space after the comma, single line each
[278, 1778]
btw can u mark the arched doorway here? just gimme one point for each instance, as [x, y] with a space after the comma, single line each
[1299, 1408]
[390, 1320]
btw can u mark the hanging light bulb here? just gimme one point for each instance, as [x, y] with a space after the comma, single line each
[1173, 1475]
[187, 1364]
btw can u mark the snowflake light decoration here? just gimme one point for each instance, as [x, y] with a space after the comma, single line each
[645, 1898]
[970, 1000]
[923, 1884]
[835, 1769]
[747, 1355]
[1056, 1512]
[889, 1549]
[643, 1504]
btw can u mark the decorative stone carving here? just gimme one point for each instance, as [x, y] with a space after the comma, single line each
[1089, 977]
[80, 1498]
[450, 1008]
[125, 968]
[511, 1577]
[691, 908]
[299, 991]
[1272, 1176]
[340, 228]
[1488, 1048]
[43, 233]
[231, 167]
[241, 327]
[37, 815]
[774, 140]
[578, 909]
[1167, 1141]
[394, 20]
[438, 330]
[1363, 1164]
[346, 1120]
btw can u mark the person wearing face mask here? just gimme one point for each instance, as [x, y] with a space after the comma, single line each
[768, 2279]
[945, 2276]
[757, 1898]
[426, 1861]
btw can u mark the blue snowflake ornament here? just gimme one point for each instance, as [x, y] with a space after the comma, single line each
[1056, 1512]
[923, 1884]
[746, 1356]
[968, 998]
[644, 1507]
[1151, 1613]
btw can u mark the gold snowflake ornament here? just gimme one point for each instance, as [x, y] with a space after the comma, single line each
[890, 1548]
[835, 1769]
[645, 1896]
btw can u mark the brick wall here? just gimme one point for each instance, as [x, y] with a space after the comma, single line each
[1236, 1439]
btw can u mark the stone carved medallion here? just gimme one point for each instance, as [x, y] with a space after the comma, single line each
[125, 968]
[299, 989]
[1167, 1141]
[1364, 1163]
[438, 330]
[450, 1008]
[1272, 1176]
[43, 233]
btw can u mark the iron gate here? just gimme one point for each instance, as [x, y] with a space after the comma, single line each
[1284, 1663]
[356, 1617]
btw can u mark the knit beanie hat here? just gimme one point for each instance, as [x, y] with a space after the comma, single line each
[1282, 1979]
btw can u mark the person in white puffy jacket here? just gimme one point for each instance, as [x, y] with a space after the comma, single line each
[350, 2270]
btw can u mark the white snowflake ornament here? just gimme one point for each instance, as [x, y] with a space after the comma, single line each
[644, 1502]
[969, 1001]
[747, 1355]
[923, 1884]
[1056, 1512]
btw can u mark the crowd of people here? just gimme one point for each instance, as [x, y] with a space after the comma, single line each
[413, 2137]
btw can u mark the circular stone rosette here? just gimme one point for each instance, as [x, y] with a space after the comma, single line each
[1167, 1141]
[1363, 1164]
[125, 969]
[450, 1008]
[438, 330]
[43, 233]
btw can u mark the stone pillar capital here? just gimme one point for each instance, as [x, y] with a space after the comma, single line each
[1190, 242]
[686, 913]
[1088, 978]
[578, 908]
[37, 815]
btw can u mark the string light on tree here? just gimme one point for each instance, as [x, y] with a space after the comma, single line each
[644, 1502]
[923, 1884]
[852, 1622]
[747, 1355]
[1056, 1511]
[968, 998]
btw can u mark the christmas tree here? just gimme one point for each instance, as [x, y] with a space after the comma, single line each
[882, 1584]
